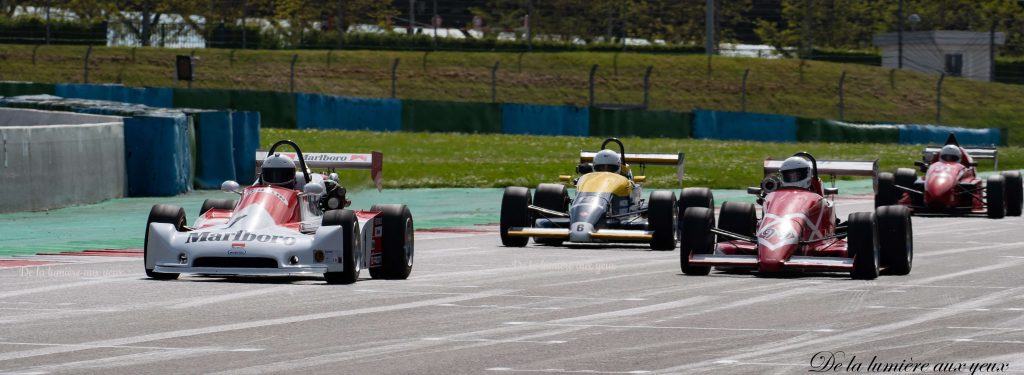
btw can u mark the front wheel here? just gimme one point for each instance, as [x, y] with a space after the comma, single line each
[552, 197]
[887, 193]
[995, 197]
[398, 242]
[346, 219]
[862, 244]
[661, 219]
[168, 214]
[515, 213]
[896, 238]
[1014, 193]
[696, 238]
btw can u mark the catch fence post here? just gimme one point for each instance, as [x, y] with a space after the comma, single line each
[647, 86]
[394, 76]
[593, 71]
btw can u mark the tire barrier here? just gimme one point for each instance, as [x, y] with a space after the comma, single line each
[150, 96]
[458, 117]
[36, 152]
[634, 123]
[215, 156]
[277, 109]
[814, 130]
[316, 111]
[545, 120]
[743, 126]
[157, 155]
[934, 134]
[26, 88]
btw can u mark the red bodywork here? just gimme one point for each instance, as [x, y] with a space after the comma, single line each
[948, 186]
[280, 203]
[796, 232]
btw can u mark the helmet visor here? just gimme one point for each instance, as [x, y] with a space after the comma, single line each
[950, 157]
[278, 175]
[614, 168]
[794, 175]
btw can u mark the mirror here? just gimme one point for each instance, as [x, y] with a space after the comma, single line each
[313, 189]
[639, 179]
[831, 191]
[230, 186]
[754, 190]
[565, 178]
[920, 164]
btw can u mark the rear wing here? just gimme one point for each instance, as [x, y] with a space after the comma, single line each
[866, 168]
[645, 159]
[373, 161]
[987, 153]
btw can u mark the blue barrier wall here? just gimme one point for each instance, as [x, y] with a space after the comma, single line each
[545, 120]
[157, 156]
[150, 96]
[743, 126]
[934, 134]
[245, 127]
[215, 156]
[315, 111]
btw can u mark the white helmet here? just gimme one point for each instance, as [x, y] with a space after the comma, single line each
[278, 170]
[607, 161]
[950, 153]
[796, 172]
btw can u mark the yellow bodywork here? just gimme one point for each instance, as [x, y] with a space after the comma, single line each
[605, 182]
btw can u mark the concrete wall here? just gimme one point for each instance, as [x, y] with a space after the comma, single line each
[79, 159]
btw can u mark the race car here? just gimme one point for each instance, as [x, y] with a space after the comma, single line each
[287, 223]
[951, 185]
[798, 229]
[608, 206]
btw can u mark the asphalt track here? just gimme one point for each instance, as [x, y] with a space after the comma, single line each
[472, 306]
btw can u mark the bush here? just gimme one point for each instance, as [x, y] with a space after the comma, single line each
[32, 30]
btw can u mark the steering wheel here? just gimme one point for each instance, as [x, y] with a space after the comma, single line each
[302, 160]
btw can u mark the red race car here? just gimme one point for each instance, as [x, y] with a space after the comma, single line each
[798, 229]
[951, 185]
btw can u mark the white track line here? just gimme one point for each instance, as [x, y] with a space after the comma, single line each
[499, 307]
[233, 296]
[945, 308]
[990, 329]
[564, 371]
[496, 341]
[87, 346]
[824, 330]
[64, 286]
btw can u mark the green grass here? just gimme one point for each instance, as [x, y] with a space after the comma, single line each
[679, 82]
[417, 160]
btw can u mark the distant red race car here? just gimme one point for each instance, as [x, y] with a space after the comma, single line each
[951, 185]
[798, 230]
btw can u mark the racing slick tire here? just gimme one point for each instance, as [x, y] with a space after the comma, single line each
[514, 213]
[695, 197]
[1014, 193]
[696, 238]
[555, 198]
[162, 213]
[661, 219]
[737, 217]
[862, 244]
[895, 239]
[398, 242]
[887, 193]
[995, 197]
[346, 219]
[906, 177]
[220, 204]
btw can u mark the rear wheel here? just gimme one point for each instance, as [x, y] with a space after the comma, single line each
[1014, 193]
[552, 197]
[219, 204]
[886, 194]
[995, 197]
[167, 214]
[696, 238]
[661, 219]
[906, 177]
[397, 240]
[737, 217]
[346, 219]
[514, 213]
[895, 238]
[695, 197]
[862, 243]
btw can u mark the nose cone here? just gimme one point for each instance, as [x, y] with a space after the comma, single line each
[777, 240]
[939, 190]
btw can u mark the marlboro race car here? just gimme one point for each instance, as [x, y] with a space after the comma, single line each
[608, 207]
[288, 223]
[951, 185]
[798, 229]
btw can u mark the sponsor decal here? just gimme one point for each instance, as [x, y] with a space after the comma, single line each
[237, 248]
[239, 237]
[266, 190]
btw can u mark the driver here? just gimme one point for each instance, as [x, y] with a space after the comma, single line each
[950, 153]
[607, 161]
[796, 172]
[278, 170]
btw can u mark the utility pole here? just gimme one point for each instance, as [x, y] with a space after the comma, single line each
[709, 28]
[412, 17]
[899, 35]
[47, 22]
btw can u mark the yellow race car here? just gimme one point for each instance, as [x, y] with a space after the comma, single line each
[608, 206]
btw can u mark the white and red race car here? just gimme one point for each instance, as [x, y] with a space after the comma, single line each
[274, 230]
